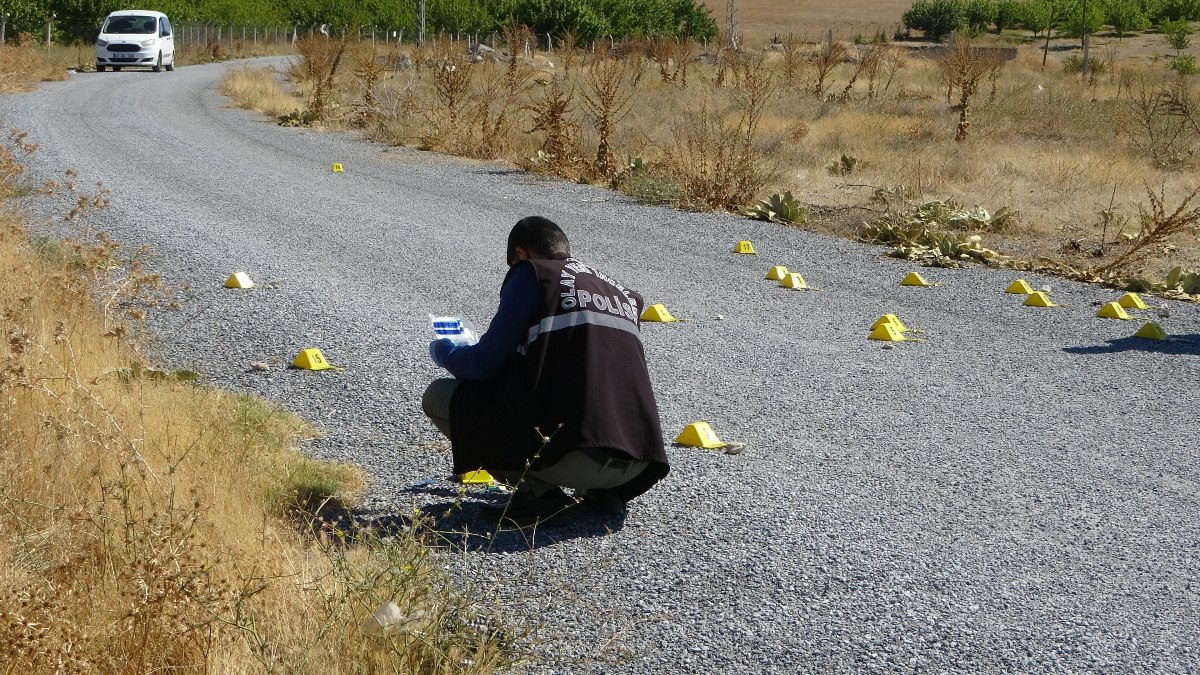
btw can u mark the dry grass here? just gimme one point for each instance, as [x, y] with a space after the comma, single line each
[259, 90]
[1074, 159]
[762, 19]
[24, 65]
[147, 523]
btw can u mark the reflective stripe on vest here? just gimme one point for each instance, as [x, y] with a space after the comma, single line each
[571, 319]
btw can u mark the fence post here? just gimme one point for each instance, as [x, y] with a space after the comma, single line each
[49, 24]
[372, 37]
[829, 39]
[420, 22]
[3, 27]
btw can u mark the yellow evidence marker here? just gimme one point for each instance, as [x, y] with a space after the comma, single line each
[1112, 310]
[1151, 331]
[1019, 286]
[744, 247]
[1038, 299]
[699, 435]
[657, 313]
[887, 333]
[793, 280]
[1133, 301]
[776, 273]
[914, 279]
[239, 280]
[311, 359]
[477, 477]
[889, 319]
[337, 167]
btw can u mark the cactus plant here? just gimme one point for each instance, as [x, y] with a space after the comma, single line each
[778, 208]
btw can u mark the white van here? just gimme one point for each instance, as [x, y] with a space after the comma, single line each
[135, 37]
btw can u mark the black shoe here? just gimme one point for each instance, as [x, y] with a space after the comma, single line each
[604, 502]
[524, 507]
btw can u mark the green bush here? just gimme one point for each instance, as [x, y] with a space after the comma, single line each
[936, 18]
[1184, 64]
[1125, 16]
[1008, 15]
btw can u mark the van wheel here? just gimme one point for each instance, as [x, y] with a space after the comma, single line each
[170, 66]
[158, 66]
[99, 68]
[116, 69]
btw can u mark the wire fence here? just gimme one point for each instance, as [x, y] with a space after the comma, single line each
[240, 37]
[189, 34]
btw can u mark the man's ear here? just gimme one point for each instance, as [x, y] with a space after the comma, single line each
[522, 253]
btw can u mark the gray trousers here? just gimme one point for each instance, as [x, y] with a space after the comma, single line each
[583, 469]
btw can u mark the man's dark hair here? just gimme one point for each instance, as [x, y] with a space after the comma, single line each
[537, 235]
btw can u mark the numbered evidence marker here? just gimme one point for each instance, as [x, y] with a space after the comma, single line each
[1132, 301]
[776, 273]
[744, 247]
[887, 328]
[337, 167]
[699, 435]
[1019, 287]
[794, 280]
[311, 359]
[658, 313]
[1151, 331]
[1038, 299]
[1112, 310]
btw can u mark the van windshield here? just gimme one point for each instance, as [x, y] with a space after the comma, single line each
[131, 25]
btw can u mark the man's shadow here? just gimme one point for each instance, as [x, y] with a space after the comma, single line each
[473, 525]
[1184, 345]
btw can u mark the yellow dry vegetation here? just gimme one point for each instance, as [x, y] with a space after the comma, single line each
[762, 19]
[258, 89]
[24, 65]
[148, 523]
[1069, 161]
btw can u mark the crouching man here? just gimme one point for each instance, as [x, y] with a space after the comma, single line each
[556, 393]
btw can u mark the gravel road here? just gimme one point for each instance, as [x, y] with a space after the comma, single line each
[1018, 491]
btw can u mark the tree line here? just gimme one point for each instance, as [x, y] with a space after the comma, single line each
[938, 18]
[587, 19]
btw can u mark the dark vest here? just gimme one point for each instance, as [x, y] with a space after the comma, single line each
[579, 379]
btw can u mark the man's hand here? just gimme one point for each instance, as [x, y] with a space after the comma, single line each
[439, 351]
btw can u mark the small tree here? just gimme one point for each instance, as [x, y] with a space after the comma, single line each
[1043, 16]
[980, 14]
[1178, 34]
[1125, 16]
[1008, 14]
[1076, 24]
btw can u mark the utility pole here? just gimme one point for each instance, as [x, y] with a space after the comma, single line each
[420, 22]
[731, 24]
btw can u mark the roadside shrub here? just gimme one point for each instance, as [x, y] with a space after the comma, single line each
[1073, 64]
